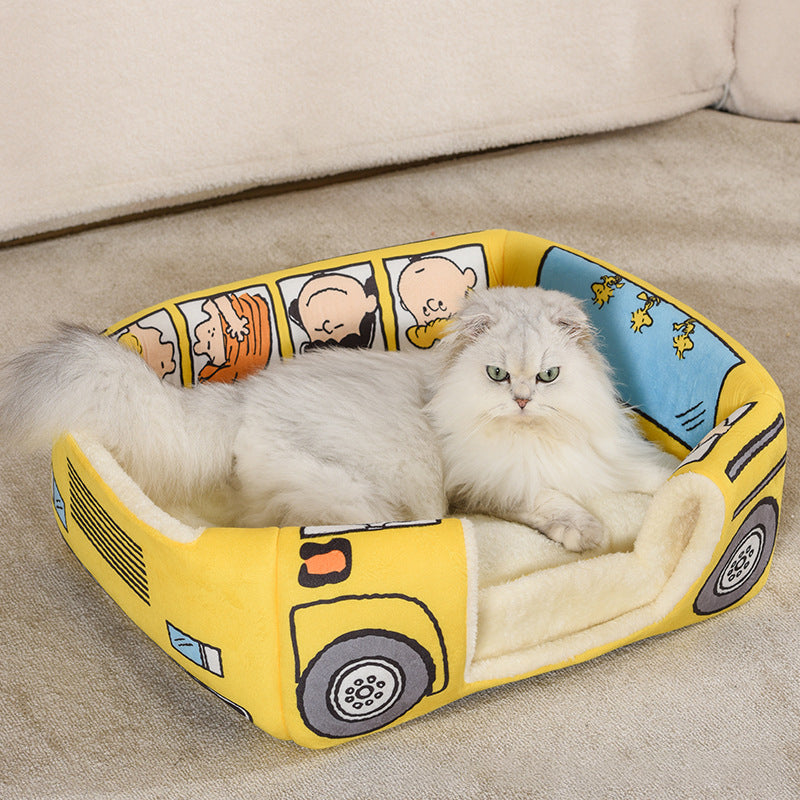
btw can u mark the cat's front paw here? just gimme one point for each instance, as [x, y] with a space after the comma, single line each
[576, 533]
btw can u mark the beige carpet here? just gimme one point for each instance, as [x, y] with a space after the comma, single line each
[706, 207]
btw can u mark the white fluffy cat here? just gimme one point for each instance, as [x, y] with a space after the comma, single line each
[513, 414]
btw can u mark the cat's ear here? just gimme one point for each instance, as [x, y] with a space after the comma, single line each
[465, 327]
[574, 321]
[577, 329]
[473, 323]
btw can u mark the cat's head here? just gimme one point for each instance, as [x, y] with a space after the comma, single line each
[522, 357]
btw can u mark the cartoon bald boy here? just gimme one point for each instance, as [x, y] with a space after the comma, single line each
[432, 288]
[336, 310]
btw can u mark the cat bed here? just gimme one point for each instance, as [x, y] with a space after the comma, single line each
[321, 634]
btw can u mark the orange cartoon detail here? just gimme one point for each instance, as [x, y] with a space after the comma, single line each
[236, 337]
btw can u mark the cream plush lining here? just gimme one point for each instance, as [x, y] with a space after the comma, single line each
[131, 496]
[531, 603]
[537, 605]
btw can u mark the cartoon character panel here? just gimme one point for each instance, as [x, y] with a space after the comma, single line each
[155, 339]
[667, 365]
[429, 288]
[230, 334]
[333, 307]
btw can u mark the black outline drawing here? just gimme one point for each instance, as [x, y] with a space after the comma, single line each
[753, 448]
[743, 562]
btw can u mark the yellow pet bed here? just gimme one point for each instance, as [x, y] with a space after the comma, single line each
[321, 634]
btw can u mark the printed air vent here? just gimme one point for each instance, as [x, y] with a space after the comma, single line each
[121, 553]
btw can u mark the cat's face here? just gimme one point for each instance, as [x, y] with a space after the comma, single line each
[519, 357]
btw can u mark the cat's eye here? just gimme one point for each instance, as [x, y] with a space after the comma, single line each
[548, 375]
[497, 373]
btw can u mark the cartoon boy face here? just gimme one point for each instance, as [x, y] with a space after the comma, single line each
[331, 308]
[147, 342]
[434, 288]
[210, 339]
[234, 338]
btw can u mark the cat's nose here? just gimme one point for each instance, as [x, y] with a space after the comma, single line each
[521, 401]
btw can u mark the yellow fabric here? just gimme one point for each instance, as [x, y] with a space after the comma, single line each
[323, 634]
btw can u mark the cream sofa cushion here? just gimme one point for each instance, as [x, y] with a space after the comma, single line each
[114, 108]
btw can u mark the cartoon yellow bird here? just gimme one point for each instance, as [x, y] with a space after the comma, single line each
[604, 289]
[683, 341]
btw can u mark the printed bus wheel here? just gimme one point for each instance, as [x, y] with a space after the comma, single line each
[363, 681]
[743, 562]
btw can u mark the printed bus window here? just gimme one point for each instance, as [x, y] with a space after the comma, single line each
[230, 334]
[687, 362]
[334, 308]
[429, 288]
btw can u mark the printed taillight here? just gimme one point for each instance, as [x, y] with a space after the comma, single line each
[325, 563]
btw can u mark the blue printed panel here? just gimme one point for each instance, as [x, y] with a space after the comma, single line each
[667, 365]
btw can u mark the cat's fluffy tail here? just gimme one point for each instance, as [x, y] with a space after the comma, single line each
[173, 442]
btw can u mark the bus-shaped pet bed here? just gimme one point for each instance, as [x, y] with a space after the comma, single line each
[321, 634]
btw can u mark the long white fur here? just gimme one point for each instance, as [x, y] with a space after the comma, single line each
[345, 436]
[176, 445]
[572, 441]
